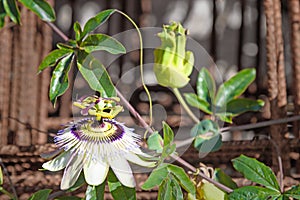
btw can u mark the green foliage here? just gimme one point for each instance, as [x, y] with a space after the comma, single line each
[1, 176]
[41, 8]
[169, 177]
[155, 142]
[98, 42]
[96, 21]
[68, 198]
[259, 173]
[207, 136]
[224, 102]
[40, 195]
[2, 14]
[12, 10]
[95, 192]
[119, 191]
[223, 178]
[91, 69]
[256, 171]
[172, 64]
[59, 80]
[169, 148]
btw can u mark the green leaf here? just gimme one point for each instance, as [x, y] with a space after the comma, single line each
[59, 80]
[155, 142]
[168, 134]
[12, 10]
[41, 8]
[96, 21]
[238, 106]
[68, 198]
[71, 45]
[195, 101]
[211, 192]
[40, 195]
[206, 86]
[207, 136]
[78, 31]
[95, 192]
[165, 190]
[234, 87]
[223, 178]
[176, 189]
[253, 193]
[96, 76]
[53, 57]
[256, 171]
[156, 177]
[97, 42]
[2, 14]
[1, 176]
[294, 192]
[119, 191]
[182, 178]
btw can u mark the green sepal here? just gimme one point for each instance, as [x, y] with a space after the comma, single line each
[41, 8]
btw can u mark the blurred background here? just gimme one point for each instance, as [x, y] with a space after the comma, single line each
[233, 34]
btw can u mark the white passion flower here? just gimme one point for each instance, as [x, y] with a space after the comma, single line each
[95, 146]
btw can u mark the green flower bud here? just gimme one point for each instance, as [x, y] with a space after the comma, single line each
[173, 64]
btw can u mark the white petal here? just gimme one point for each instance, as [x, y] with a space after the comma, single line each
[58, 163]
[122, 170]
[137, 160]
[95, 171]
[72, 171]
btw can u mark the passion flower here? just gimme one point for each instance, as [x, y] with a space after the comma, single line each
[93, 147]
[172, 63]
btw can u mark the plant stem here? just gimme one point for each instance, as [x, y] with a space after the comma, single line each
[147, 127]
[9, 180]
[185, 106]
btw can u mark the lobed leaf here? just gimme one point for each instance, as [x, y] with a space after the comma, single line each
[95, 192]
[196, 102]
[40, 195]
[97, 42]
[96, 75]
[256, 171]
[156, 177]
[182, 178]
[53, 57]
[206, 86]
[59, 80]
[41, 8]
[253, 193]
[96, 21]
[294, 192]
[12, 10]
[234, 87]
[117, 190]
